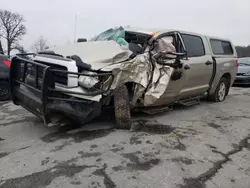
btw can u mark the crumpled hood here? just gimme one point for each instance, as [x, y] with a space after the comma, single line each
[99, 54]
[150, 79]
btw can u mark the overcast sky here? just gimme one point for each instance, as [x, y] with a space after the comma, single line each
[55, 19]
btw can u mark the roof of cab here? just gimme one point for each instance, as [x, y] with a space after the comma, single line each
[142, 30]
[159, 31]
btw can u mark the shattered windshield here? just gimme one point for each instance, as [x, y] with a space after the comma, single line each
[115, 34]
[133, 40]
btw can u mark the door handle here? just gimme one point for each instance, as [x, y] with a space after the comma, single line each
[209, 63]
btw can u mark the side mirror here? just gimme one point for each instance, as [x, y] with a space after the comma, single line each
[81, 40]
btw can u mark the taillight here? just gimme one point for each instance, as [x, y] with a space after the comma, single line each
[7, 63]
[237, 63]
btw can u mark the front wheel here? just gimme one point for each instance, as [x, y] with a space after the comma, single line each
[221, 91]
[122, 108]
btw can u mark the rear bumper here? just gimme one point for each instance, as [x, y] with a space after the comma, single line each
[4, 77]
[242, 80]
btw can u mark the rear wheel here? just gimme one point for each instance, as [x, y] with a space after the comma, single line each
[122, 108]
[4, 91]
[221, 91]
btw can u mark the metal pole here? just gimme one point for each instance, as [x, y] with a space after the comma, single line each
[75, 28]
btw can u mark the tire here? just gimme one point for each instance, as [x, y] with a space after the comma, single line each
[221, 91]
[122, 109]
[4, 91]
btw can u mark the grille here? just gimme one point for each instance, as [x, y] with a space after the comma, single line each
[60, 78]
[240, 74]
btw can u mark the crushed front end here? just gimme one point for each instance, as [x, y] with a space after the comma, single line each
[52, 93]
[76, 81]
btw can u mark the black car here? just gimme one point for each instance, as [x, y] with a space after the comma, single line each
[4, 78]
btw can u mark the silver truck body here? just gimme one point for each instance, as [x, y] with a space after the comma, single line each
[203, 76]
[128, 69]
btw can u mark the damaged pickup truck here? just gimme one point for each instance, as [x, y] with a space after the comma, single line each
[123, 68]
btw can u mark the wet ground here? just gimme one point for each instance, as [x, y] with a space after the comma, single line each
[206, 145]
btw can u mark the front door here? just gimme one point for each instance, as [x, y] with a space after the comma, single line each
[174, 87]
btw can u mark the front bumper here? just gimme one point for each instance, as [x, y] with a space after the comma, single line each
[242, 80]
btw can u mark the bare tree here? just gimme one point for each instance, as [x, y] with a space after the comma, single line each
[40, 45]
[243, 51]
[1, 48]
[20, 49]
[12, 28]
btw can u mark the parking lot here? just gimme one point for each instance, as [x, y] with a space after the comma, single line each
[206, 145]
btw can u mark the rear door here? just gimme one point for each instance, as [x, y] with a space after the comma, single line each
[201, 65]
[225, 56]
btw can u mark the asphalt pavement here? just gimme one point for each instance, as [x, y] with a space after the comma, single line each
[203, 146]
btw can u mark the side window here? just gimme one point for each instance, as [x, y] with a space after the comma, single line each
[194, 45]
[227, 48]
[216, 46]
[1, 62]
[220, 47]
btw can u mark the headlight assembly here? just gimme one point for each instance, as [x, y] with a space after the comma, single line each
[88, 81]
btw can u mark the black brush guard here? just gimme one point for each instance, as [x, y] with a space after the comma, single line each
[43, 99]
